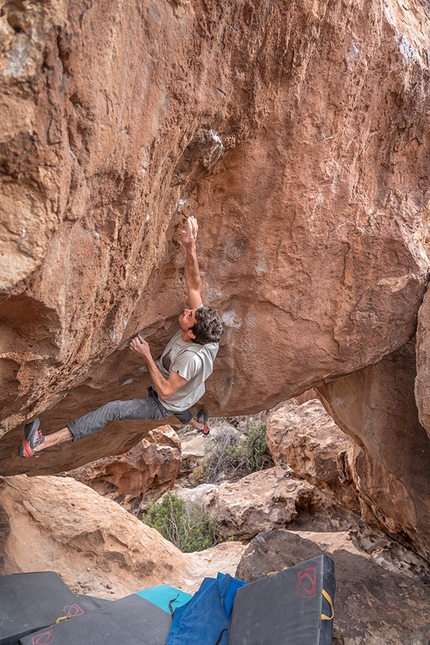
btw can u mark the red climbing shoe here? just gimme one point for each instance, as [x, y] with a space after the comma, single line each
[33, 437]
[202, 417]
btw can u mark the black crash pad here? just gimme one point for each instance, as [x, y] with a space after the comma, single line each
[91, 602]
[131, 620]
[285, 608]
[31, 601]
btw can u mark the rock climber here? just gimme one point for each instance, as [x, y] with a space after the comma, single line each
[178, 376]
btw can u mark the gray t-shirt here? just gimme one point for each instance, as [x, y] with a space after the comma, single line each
[191, 361]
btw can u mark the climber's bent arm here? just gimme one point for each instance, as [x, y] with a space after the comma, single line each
[165, 387]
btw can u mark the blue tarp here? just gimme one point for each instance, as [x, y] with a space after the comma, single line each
[206, 617]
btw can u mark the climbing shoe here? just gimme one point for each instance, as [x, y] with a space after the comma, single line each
[202, 417]
[33, 437]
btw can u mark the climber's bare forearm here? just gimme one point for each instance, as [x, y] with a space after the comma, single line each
[192, 271]
[192, 279]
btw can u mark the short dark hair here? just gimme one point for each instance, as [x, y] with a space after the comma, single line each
[208, 328]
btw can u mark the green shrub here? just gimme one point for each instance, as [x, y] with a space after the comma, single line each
[189, 529]
[251, 453]
[233, 458]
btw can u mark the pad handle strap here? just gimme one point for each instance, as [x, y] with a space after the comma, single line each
[330, 602]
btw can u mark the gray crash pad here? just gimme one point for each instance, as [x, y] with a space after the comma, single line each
[131, 620]
[31, 601]
[291, 607]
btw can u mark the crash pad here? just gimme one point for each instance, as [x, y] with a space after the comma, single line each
[132, 620]
[165, 597]
[31, 601]
[290, 607]
[91, 602]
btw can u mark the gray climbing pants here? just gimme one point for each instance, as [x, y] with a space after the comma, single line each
[146, 408]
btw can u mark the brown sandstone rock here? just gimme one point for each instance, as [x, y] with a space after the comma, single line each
[146, 468]
[422, 381]
[376, 406]
[223, 557]
[305, 439]
[57, 524]
[196, 495]
[265, 500]
[295, 132]
[164, 436]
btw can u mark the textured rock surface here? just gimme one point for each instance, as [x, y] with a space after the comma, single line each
[297, 133]
[376, 406]
[196, 495]
[146, 468]
[305, 439]
[165, 436]
[422, 381]
[262, 501]
[310, 188]
[62, 521]
[372, 605]
[223, 557]
[97, 547]
[266, 500]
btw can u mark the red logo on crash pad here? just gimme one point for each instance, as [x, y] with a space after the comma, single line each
[307, 582]
[73, 610]
[43, 639]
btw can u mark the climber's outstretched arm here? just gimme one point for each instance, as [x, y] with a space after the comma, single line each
[192, 273]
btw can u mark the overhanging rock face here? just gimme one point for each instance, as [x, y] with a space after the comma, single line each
[295, 132]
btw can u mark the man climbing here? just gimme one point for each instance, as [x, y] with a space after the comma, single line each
[178, 376]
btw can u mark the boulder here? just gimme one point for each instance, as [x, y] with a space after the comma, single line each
[296, 133]
[376, 406]
[164, 436]
[422, 381]
[223, 558]
[268, 499]
[58, 524]
[192, 449]
[197, 495]
[146, 469]
[305, 439]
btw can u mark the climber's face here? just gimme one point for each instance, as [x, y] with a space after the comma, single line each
[187, 319]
